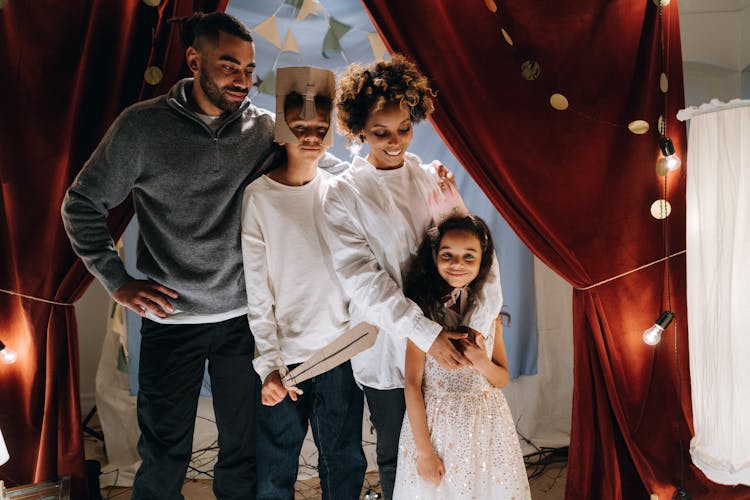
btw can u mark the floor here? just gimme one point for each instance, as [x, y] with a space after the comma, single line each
[546, 470]
[546, 484]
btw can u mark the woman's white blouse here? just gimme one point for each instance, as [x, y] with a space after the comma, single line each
[376, 221]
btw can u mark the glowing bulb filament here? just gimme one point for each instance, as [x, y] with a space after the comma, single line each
[8, 356]
[673, 162]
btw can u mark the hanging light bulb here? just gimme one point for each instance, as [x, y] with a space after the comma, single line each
[670, 161]
[7, 355]
[652, 336]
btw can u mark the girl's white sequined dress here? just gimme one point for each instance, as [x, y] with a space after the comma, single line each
[472, 430]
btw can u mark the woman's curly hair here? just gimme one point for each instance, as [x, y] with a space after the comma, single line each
[424, 285]
[364, 89]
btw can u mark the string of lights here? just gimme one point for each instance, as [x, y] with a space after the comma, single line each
[668, 162]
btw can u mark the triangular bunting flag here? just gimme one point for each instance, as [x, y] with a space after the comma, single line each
[290, 43]
[335, 31]
[308, 7]
[268, 30]
[339, 28]
[377, 46]
[269, 84]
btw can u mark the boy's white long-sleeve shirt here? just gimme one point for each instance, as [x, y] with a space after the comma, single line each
[295, 302]
[376, 221]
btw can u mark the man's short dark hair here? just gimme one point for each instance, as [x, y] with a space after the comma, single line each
[202, 27]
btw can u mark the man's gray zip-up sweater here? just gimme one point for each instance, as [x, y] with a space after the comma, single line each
[187, 183]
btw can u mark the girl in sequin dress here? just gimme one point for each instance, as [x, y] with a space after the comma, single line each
[458, 440]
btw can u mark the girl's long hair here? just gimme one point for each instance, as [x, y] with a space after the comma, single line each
[425, 286]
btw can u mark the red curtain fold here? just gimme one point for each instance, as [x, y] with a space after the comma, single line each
[577, 186]
[68, 69]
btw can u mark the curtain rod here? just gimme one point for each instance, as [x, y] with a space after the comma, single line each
[710, 107]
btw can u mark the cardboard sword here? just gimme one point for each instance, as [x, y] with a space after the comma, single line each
[341, 350]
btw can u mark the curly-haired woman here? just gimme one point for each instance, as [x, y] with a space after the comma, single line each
[378, 212]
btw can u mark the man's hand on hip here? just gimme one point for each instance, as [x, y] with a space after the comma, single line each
[141, 295]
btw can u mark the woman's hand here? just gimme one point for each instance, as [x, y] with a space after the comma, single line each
[430, 468]
[445, 353]
[476, 351]
[446, 178]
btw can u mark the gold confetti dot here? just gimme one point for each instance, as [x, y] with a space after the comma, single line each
[152, 3]
[638, 126]
[491, 5]
[661, 125]
[559, 102]
[506, 36]
[153, 75]
[660, 209]
[530, 70]
[664, 83]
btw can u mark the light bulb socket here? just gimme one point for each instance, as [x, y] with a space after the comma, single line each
[664, 319]
[666, 146]
[681, 494]
[2, 346]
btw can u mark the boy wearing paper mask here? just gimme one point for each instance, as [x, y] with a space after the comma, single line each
[295, 302]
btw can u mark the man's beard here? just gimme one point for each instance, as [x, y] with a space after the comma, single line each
[215, 94]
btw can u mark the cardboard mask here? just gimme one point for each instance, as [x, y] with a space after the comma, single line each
[309, 82]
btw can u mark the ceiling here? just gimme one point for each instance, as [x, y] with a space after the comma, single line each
[706, 6]
[716, 33]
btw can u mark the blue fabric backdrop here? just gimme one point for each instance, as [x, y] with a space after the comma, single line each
[516, 261]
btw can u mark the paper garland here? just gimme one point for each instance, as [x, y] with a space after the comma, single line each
[269, 30]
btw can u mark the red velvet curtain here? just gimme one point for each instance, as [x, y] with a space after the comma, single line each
[577, 185]
[68, 68]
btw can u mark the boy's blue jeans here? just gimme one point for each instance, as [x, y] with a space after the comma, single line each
[332, 404]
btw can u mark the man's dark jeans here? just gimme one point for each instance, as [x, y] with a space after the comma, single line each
[170, 375]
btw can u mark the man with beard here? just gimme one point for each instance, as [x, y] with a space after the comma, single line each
[186, 158]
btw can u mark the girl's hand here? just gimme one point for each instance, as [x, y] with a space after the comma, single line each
[476, 352]
[430, 468]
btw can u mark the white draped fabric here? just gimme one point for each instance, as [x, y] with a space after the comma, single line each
[542, 404]
[718, 288]
[3, 450]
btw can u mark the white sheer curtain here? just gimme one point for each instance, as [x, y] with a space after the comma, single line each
[542, 404]
[4, 456]
[718, 287]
